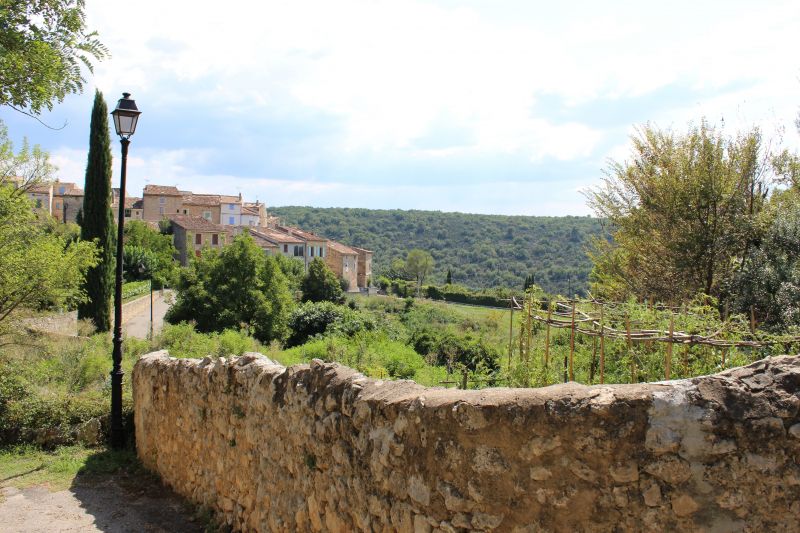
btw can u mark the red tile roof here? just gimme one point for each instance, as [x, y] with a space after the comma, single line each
[275, 236]
[209, 200]
[195, 223]
[362, 250]
[341, 248]
[161, 190]
[305, 235]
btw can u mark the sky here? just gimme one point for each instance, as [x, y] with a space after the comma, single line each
[488, 106]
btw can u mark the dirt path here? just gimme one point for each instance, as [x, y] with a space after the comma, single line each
[100, 505]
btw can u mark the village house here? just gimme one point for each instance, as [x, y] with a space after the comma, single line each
[160, 201]
[343, 261]
[287, 245]
[364, 267]
[254, 214]
[72, 204]
[201, 205]
[263, 241]
[230, 210]
[134, 207]
[315, 246]
[42, 197]
[192, 233]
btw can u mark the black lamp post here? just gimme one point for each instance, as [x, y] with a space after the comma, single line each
[126, 115]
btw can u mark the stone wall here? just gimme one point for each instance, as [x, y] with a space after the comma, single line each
[322, 448]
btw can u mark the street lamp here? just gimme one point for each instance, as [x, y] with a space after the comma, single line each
[126, 115]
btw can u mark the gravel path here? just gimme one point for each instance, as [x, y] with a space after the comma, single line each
[100, 505]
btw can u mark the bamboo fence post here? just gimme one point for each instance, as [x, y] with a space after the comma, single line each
[602, 348]
[547, 337]
[528, 329]
[572, 344]
[668, 361]
[629, 342]
[510, 330]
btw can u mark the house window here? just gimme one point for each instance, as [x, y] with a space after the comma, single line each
[198, 239]
[58, 205]
[160, 210]
[311, 250]
[162, 200]
[286, 248]
[214, 239]
[230, 207]
[61, 190]
[207, 215]
[298, 251]
[38, 203]
[230, 220]
[185, 212]
[127, 213]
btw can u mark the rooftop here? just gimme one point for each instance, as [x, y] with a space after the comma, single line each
[201, 199]
[161, 190]
[305, 235]
[341, 248]
[276, 236]
[195, 223]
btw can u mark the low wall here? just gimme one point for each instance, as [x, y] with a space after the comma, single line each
[322, 448]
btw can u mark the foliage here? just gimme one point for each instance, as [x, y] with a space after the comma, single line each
[318, 318]
[43, 46]
[31, 164]
[682, 213]
[768, 280]
[461, 294]
[182, 340]
[479, 250]
[419, 264]
[97, 224]
[148, 247]
[238, 287]
[38, 269]
[292, 269]
[135, 288]
[320, 284]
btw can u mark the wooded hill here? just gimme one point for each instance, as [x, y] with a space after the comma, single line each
[482, 251]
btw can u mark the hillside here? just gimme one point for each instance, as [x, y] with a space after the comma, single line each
[481, 250]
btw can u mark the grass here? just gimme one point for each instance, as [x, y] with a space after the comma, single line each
[27, 466]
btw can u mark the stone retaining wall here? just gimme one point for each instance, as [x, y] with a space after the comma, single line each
[322, 448]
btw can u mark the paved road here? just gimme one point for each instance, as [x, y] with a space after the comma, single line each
[139, 324]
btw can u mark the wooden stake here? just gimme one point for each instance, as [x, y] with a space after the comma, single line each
[628, 335]
[602, 348]
[752, 319]
[510, 331]
[528, 329]
[572, 344]
[668, 361]
[547, 337]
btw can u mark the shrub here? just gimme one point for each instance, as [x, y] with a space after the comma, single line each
[318, 318]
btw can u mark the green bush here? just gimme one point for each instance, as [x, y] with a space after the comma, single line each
[182, 340]
[318, 318]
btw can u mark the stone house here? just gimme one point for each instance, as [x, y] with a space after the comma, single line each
[343, 261]
[202, 205]
[42, 197]
[254, 214]
[72, 204]
[160, 201]
[287, 245]
[364, 266]
[263, 241]
[315, 246]
[134, 209]
[191, 234]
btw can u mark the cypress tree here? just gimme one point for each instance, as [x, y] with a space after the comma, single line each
[449, 279]
[98, 221]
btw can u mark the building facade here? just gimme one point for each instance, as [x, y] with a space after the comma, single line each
[364, 267]
[160, 201]
[191, 234]
[343, 261]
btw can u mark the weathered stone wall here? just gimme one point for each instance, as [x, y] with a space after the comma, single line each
[322, 448]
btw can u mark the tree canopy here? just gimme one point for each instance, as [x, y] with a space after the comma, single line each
[97, 222]
[419, 264]
[478, 249]
[238, 287]
[682, 212]
[44, 47]
[320, 284]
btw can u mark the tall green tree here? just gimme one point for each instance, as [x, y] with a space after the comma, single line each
[682, 213]
[44, 46]
[419, 264]
[320, 284]
[236, 288]
[98, 222]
